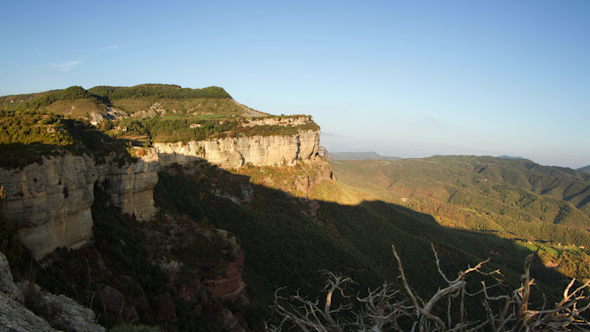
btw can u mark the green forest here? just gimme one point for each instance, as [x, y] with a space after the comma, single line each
[107, 94]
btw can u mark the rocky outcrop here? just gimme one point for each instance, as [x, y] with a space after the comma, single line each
[235, 152]
[49, 311]
[317, 170]
[52, 201]
[227, 284]
[110, 113]
[132, 186]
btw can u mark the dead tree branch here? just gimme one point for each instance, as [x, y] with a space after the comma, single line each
[383, 308]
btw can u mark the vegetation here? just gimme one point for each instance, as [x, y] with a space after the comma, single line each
[106, 94]
[179, 130]
[27, 136]
[514, 199]
[46, 99]
[157, 91]
[351, 240]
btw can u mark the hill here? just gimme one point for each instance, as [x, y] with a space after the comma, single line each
[516, 199]
[509, 157]
[359, 156]
[584, 169]
[141, 101]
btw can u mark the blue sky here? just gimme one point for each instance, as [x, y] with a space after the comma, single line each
[408, 79]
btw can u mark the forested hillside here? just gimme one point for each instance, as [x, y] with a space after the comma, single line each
[533, 205]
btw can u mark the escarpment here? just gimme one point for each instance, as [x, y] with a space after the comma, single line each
[52, 201]
[235, 152]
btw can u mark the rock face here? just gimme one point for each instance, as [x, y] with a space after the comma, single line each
[235, 152]
[60, 312]
[52, 201]
[132, 186]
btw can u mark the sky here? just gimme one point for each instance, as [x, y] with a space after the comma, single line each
[409, 79]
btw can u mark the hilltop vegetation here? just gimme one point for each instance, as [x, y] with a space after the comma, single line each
[179, 130]
[107, 94]
[27, 136]
[140, 101]
[514, 199]
[104, 119]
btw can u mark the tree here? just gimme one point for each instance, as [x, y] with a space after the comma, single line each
[384, 308]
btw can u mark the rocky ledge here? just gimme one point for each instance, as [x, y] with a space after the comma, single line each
[27, 309]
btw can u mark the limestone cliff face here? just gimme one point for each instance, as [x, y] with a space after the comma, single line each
[52, 201]
[132, 186]
[235, 152]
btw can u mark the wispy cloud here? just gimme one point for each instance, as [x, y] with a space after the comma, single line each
[112, 47]
[64, 66]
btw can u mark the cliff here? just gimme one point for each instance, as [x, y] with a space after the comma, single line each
[235, 152]
[52, 201]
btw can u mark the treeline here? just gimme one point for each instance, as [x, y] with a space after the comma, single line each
[104, 95]
[158, 91]
[71, 93]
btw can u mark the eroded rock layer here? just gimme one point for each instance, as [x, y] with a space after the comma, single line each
[235, 152]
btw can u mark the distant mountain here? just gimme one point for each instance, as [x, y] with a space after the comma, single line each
[360, 156]
[509, 157]
[584, 169]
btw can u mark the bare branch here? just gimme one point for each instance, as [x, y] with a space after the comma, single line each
[383, 307]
